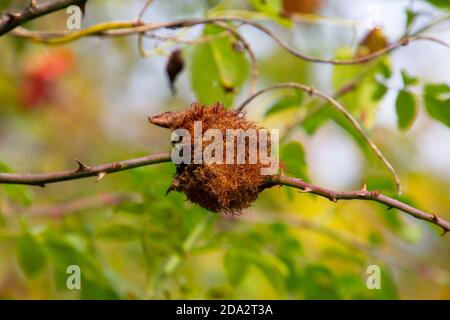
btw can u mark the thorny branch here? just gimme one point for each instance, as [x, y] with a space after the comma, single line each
[362, 194]
[11, 20]
[84, 171]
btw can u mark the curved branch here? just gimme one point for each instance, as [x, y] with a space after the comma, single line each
[137, 27]
[9, 21]
[310, 90]
[362, 194]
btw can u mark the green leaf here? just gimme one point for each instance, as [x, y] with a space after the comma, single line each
[272, 9]
[440, 3]
[5, 4]
[293, 156]
[119, 232]
[275, 270]
[218, 70]
[19, 194]
[410, 17]
[235, 266]
[319, 283]
[408, 80]
[359, 101]
[68, 249]
[406, 108]
[30, 254]
[437, 102]
[65, 249]
[285, 103]
[384, 68]
[379, 92]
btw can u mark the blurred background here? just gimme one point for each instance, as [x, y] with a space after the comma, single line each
[89, 99]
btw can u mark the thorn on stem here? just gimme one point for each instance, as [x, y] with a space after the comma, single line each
[404, 41]
[81, 165]
[32, 4]
[306, 190]
[12, 16]
[444, 232]
[101, 175]
[364, 187]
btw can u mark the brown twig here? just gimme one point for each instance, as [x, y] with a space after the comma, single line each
[46, 178]
[9, 21]
[82, 171]
[312, 91]
[362, 194]
[138, 28]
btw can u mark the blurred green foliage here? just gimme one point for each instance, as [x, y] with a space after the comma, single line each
[289, 245]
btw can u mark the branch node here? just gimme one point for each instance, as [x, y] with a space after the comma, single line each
[12, 16]
[375, 193]
[117, 166]
[404, 41]
[363, 191]
[306, 190]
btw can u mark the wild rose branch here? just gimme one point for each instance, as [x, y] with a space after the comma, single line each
[100, 171]
[12, 21]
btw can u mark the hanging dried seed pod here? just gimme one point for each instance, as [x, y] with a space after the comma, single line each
[174, 66]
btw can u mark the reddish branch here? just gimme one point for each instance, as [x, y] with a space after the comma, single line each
[83, 171]
[10, 20]
[100, 171]
[362, 194]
